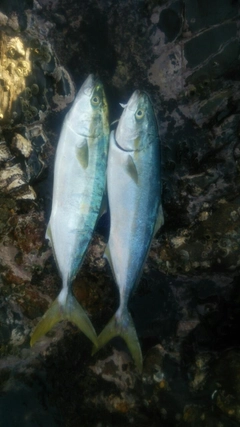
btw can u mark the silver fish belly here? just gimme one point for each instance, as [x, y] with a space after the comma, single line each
[134, 192]
[79, 185]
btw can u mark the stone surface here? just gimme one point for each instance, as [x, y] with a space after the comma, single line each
[186, 309]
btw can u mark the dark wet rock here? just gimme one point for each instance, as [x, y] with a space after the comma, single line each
[194, 52]
[187, 306]
[170, 21]
[226, 395]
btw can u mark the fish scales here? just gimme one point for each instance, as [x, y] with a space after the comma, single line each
[134, 192]
[133, 203]
[78, 190]
[76, 203]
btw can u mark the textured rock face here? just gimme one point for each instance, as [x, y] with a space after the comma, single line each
[185, 54]
[197, 55]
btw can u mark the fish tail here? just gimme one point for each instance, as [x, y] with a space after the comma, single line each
[70, 310]
[121, 324]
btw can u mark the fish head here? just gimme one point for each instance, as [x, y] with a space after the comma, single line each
[137, 125]
[89, 113]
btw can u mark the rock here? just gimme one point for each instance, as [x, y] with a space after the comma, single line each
[3, 19]
[22, 145]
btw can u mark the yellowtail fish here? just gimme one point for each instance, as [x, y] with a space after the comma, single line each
[134, 192]
[79, 185]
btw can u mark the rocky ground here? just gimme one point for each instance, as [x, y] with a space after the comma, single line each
[185, 54]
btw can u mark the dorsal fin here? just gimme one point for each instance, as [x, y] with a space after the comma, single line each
[160, 220]
[104, 205]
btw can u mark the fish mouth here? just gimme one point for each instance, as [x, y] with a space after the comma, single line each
[90, 83]
[87, 87]
[131, 105]
[138, 97]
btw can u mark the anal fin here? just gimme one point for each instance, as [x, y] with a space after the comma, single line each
[50, 239]
[107, 255]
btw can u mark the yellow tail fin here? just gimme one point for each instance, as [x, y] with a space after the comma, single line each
[123, 327]
[71, 311]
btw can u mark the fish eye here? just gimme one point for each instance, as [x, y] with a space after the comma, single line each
[139, 114]
[95, 100]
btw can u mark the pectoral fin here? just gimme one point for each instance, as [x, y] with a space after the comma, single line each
[82, 154]
[132, 169]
